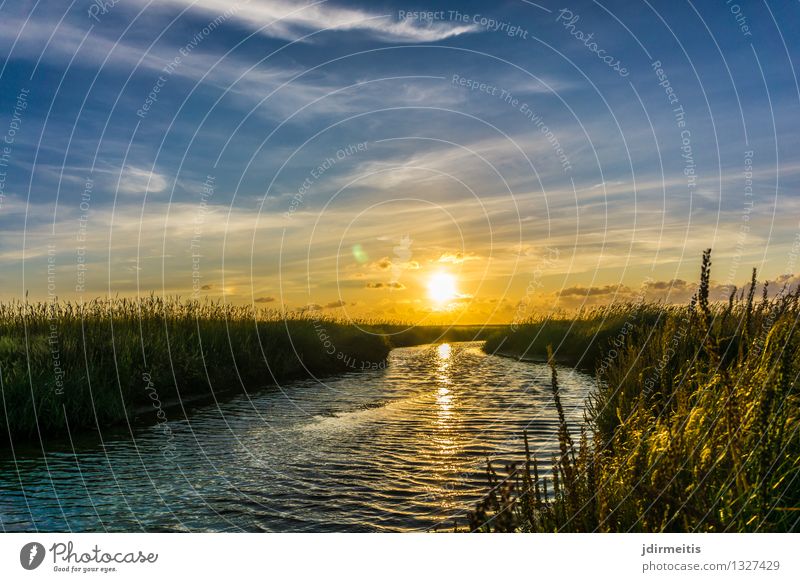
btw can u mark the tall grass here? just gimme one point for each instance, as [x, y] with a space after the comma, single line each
[694, 425]
[576, 338]
[77, 366]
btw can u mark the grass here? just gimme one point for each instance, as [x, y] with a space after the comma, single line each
[577, 339]
[67, 367]
[81, 366]
[694, 425]
[403, 335]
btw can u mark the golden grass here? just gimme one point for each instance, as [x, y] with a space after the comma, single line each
[693, 426]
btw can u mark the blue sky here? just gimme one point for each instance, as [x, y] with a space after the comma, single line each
[495, 140]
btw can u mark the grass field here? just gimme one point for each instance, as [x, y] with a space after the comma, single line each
[694, 423]
[92, 365]
[86, 366]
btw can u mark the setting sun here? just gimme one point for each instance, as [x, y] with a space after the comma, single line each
[442, 288]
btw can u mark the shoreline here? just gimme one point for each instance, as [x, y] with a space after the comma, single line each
[542, 359]
[70, 369]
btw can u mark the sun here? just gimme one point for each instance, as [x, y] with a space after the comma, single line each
[442, 288]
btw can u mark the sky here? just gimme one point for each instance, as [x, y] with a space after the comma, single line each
[468, 162]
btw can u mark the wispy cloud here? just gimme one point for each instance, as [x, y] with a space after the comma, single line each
[457, 258]
[288, 20]
[139, 180]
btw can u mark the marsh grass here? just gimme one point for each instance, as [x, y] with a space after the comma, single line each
[91, 365]
[693, 426]
[579, 339]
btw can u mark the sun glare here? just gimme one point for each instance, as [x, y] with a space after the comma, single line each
[442, 288]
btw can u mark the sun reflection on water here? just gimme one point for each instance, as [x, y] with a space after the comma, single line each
[444, 397]
[445, 436]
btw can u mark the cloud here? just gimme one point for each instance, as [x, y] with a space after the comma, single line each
[206, 287]
[386, 263]
[457, 258]
[390, 285]
[237, 76]
[138, 180]
[288, 20]
[383, 264]
[593, 291]
[335, 304]
[264, 299]
[673, 284]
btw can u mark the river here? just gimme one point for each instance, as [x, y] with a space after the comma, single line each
[402, 448]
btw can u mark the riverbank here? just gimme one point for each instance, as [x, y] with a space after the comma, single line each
[69, 367]
[694, 424]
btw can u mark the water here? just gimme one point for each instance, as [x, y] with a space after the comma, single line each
[398, 449]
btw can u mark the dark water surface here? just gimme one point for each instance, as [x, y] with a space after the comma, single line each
[398, 449]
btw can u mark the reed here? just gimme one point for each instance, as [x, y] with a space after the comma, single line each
[694, 425]
[578, 339]
[69, 366]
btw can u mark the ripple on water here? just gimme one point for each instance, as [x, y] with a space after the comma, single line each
[402, 448]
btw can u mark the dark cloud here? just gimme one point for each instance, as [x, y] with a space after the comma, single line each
[593, 291]
[391, 285]
[335, 304]
[207, 287]
[384, 264]
[264, 299]
[673, 284]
